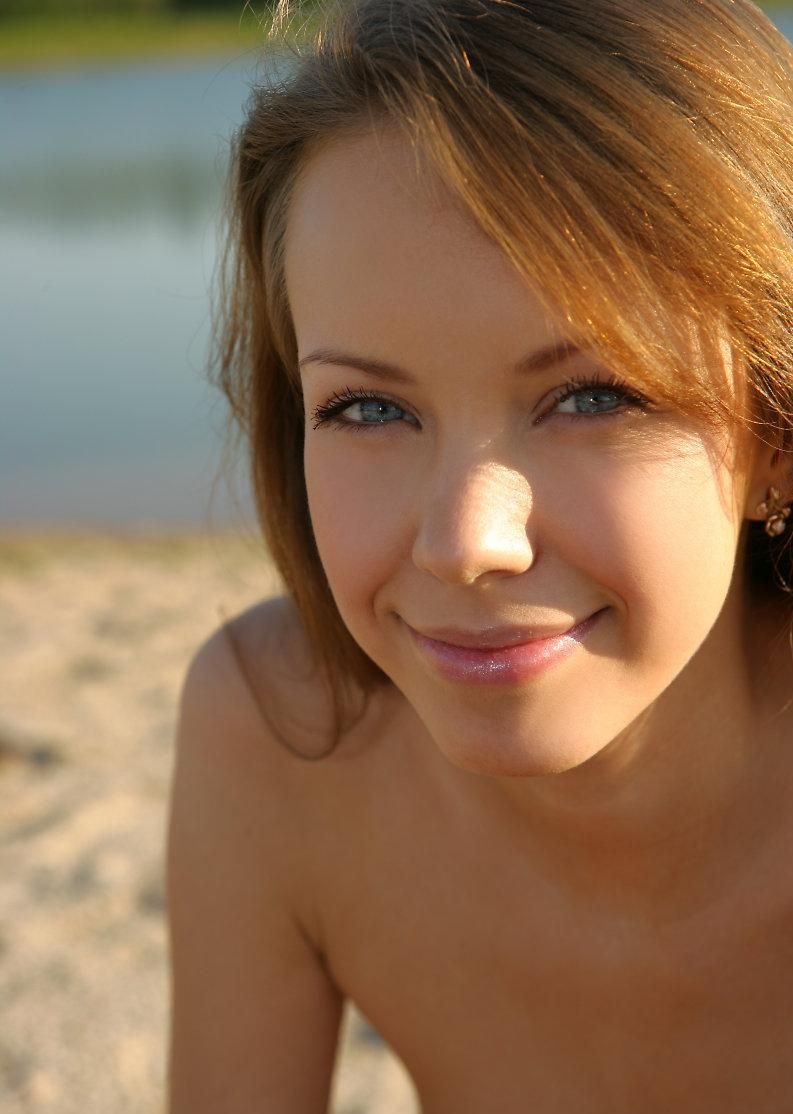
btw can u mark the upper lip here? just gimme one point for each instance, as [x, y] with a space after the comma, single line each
[495, 638]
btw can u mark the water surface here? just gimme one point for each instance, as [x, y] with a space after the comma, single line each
[109, 193]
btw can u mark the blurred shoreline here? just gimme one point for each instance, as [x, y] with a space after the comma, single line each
[35, 543]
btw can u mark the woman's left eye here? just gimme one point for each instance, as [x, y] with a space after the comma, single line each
[583, 399]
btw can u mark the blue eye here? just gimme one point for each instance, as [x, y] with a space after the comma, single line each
[589, 401]
[582, 398]
[373, 410]
[356, 409]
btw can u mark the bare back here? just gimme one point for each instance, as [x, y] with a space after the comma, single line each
[372, 875]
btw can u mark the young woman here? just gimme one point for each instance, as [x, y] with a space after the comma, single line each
[511, 763]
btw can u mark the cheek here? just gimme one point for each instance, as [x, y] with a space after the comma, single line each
[359, 509]
[664, 542]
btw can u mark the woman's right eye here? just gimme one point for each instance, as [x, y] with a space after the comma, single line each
[359, 408]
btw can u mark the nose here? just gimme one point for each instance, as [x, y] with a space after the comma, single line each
[474, 523]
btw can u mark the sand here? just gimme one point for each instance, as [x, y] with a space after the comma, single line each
[95, 634]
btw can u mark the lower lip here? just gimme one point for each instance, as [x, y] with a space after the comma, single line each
[507, 666]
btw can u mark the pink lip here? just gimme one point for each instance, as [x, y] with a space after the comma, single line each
[503, 656]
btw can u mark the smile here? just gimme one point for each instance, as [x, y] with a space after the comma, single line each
[499, 657]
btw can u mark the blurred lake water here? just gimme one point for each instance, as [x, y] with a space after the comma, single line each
[110, 185]
[110, 190]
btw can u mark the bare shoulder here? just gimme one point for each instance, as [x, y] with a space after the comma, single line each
[254, 1014]
[257, 741]
[283, 677]
[238, 764]
[250, 676]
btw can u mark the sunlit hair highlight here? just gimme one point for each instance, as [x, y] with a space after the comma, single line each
[632, 158]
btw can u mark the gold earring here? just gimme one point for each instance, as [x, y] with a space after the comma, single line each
[775, 513]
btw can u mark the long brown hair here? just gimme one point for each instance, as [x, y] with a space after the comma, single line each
[624, 154]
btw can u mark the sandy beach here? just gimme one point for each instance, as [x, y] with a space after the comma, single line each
[96, 630]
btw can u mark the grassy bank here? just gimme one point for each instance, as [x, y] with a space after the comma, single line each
[54, 41]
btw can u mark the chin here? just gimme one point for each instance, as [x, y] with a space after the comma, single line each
[499, 755]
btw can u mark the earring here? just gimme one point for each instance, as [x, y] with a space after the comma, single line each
[775, 513]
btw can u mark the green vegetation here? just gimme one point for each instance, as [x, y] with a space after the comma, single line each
[56, 33]
[66, 40]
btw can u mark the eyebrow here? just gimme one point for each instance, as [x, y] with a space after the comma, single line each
[541, 360]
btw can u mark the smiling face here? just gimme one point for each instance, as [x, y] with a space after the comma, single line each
[526, 546]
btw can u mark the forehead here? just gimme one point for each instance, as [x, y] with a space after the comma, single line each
[375, 186]
[379, 254]
[376, 243]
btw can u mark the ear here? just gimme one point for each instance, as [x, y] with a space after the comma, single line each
[770, 488]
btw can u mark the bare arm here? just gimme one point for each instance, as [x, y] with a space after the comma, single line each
[254, 1016]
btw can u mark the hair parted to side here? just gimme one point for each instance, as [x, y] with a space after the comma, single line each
[633, 158]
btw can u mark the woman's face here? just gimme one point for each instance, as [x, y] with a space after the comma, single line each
[530, 550]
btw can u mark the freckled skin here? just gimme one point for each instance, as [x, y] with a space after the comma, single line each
[563, 846]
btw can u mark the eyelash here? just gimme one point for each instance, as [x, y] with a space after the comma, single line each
[632, 398]
[329, 412]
